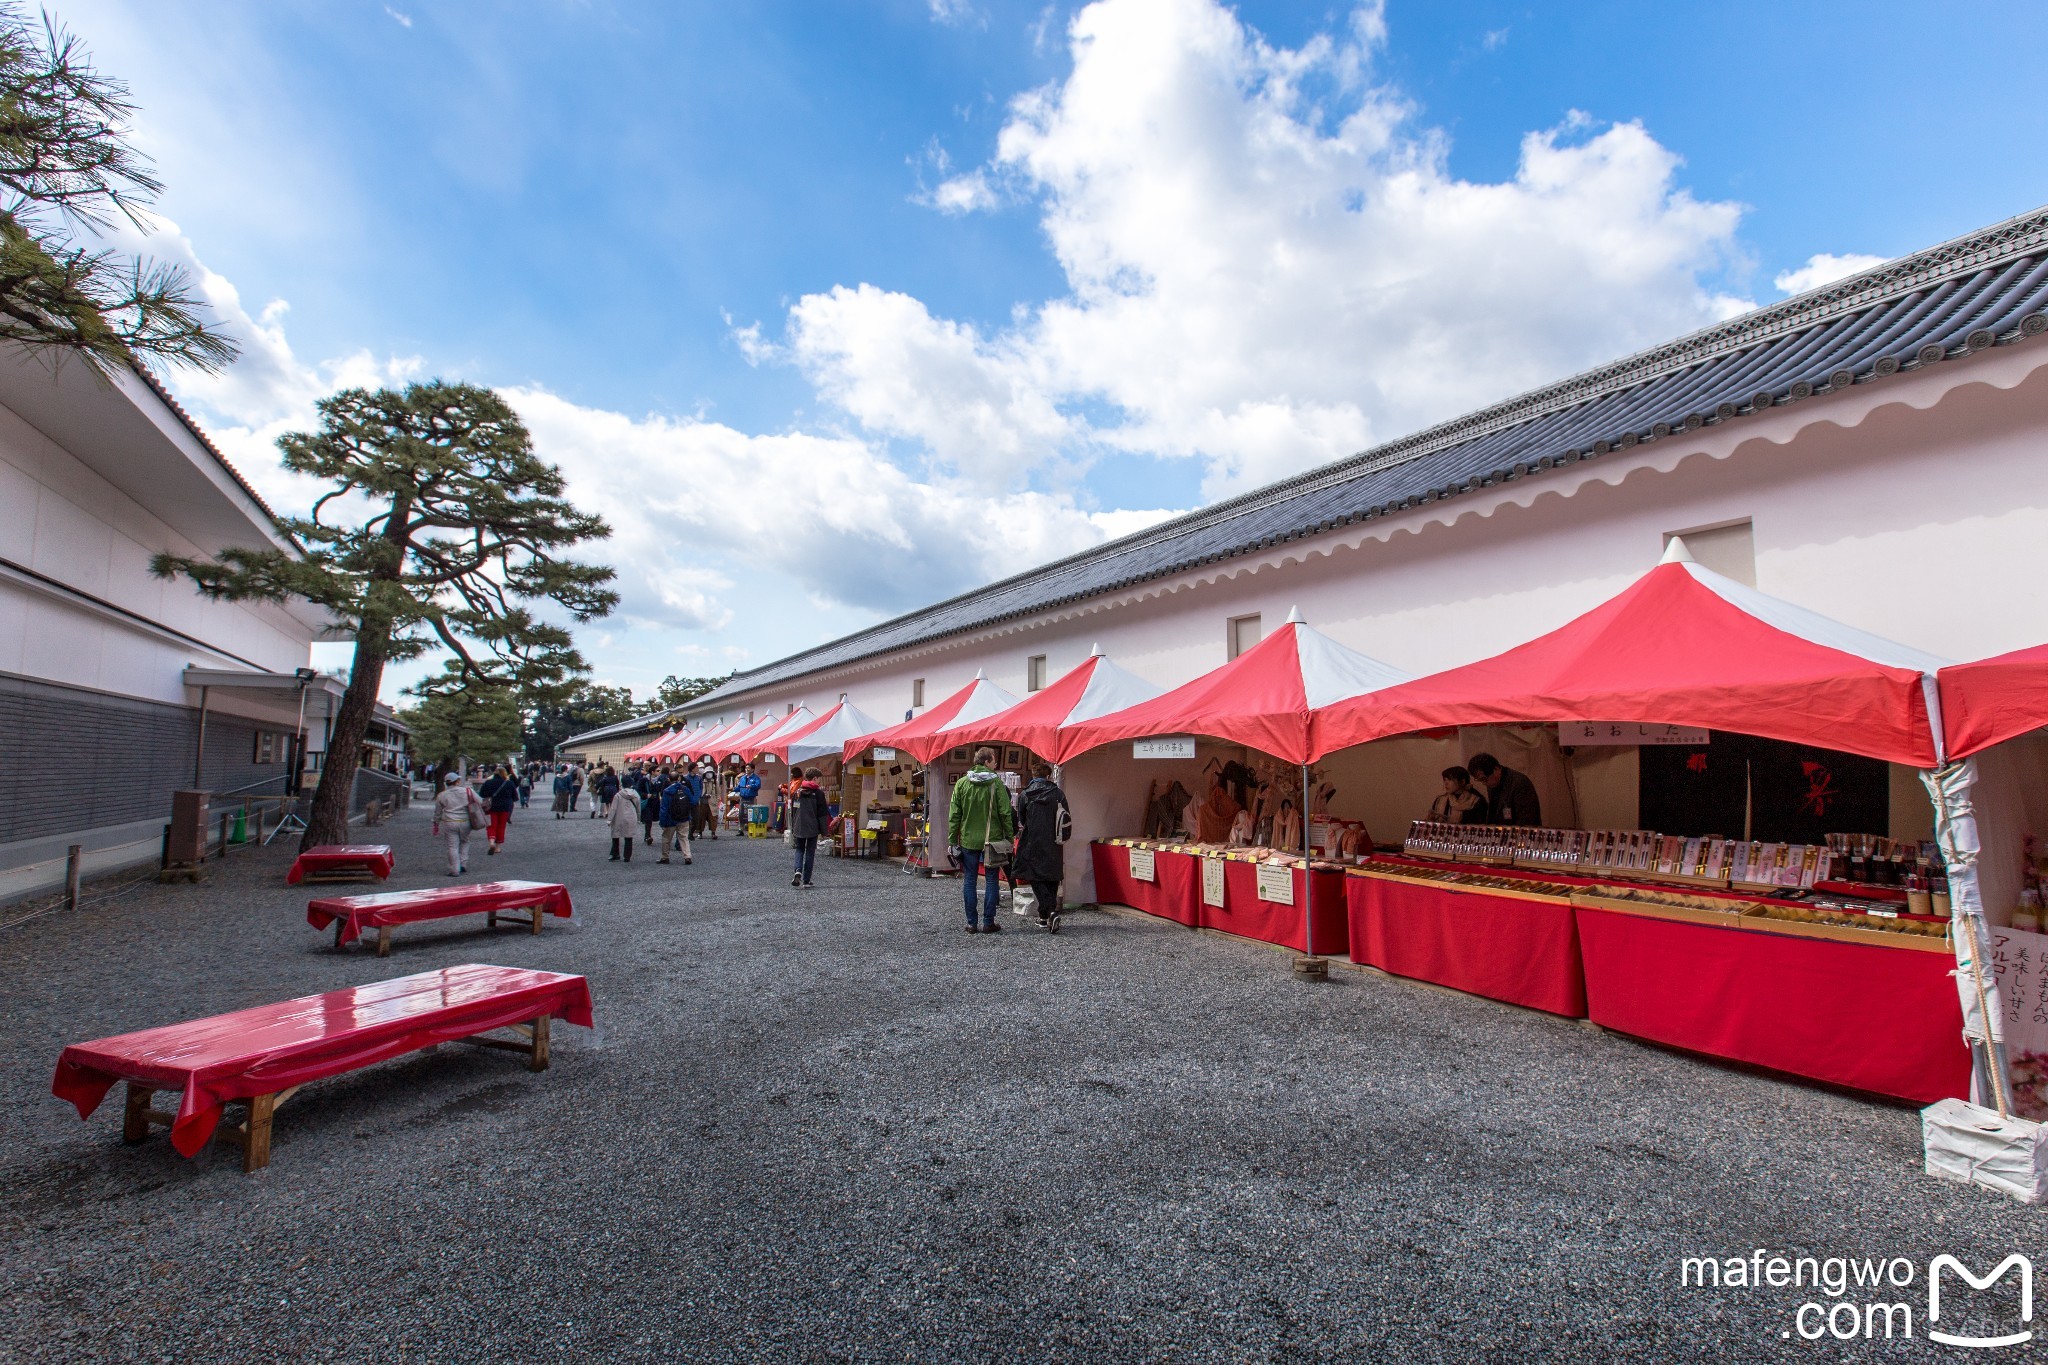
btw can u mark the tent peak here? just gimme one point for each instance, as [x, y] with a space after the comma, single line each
[1294, 616]
[1095, 650]
[1676, 552]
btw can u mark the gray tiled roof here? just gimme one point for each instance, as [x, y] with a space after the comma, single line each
[1989, 288]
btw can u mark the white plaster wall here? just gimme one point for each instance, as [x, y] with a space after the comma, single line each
[64, 521]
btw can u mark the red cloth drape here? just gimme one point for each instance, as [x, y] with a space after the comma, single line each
[1503, 947]
[434, 902]
[373, 859]
[1177, 895]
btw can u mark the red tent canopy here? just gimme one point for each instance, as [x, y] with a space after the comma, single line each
[731, 744]
[1682, 645]
[918, 736]
[700, 742]
[1264, 698]
[1993, 700]
[821, 736]
[755, 745]
[1095, 689]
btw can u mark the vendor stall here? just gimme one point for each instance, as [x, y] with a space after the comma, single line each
[1252, 894]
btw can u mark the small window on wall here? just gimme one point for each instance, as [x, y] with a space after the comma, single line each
[917, 691]
[1729, 549]
[1244, 632]
[1034, 673]
[789, 708]
[267, 747]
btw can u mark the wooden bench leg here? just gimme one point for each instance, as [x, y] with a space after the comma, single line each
[339, 926]
[256, 1147]
[539, 1061]
[537, 917]
[384, 941]
[135, 1120]
[491, 920]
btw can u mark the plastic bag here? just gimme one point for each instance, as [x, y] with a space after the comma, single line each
[1023, 900]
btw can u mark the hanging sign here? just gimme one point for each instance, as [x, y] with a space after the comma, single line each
[2020, 961]
[1141, 865]
[884, 755]
[1276, 883]
[1212, 882]
[1172, 746]
[1594, 732]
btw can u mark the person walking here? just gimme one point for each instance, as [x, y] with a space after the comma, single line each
[501, 795]
[979, 826]
[624, 822]
[675, 818]
[1043, 824]
[575, 786]
[454, 806]
[809, 814]
[561, 792]
[650, 809]
[606, 787]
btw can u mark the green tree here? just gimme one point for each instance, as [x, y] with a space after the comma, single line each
[674, 691]
[588, 709]
[479, 723]
[440, 526]
[66, 170]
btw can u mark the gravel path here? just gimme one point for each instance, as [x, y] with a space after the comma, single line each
[830, 1125]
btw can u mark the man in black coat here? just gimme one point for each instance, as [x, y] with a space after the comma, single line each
[1510, 796]
[1042, 827]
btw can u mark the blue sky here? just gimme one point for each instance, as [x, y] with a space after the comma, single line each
[838, 308]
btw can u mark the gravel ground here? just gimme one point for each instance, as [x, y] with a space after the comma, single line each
[829, 1125]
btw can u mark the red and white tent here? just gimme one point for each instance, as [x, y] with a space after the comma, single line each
[918, 735]
[702, 743]
[824, 735]
[731, 744]
[790, 724]
[1266, 698]
[1993, 700]
[1095, 689]
[1682, 645]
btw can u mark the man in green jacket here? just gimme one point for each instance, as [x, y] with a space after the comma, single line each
[977, 816]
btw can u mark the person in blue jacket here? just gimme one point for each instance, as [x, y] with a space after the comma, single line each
[748, 786]
[676, 809]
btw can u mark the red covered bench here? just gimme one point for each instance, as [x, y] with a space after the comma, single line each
[341, 863]
[261, 1056]
[351, 915]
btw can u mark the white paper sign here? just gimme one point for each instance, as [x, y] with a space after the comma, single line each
[1276, 883]
[2020, 960]
[1172, 746]
[1585, 732]
[1141, 865]
[884, 755]
[1212, 882]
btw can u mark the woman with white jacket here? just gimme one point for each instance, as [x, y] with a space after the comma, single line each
[624, 823]
[452, 809]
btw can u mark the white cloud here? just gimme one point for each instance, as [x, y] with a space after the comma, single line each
[1823, 268]
[952, 11]
[1494, 39]
[1262, 278]
[404, 20]
[968, 193]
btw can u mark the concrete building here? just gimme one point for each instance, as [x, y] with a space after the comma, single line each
[116, 687]
[1872, 450]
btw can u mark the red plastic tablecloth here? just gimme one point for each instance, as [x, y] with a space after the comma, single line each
[358, 913]
[1177, 895]
[1503, 947]
[1244, 914]
[372, 858]
[1874, 1018]
[273, 1047]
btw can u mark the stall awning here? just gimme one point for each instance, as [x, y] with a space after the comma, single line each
[1265, 698]
[790, 724]
[728, 745]
[1993, 700]
[1096, 689]
[1682, 645]
[824, 736]
[917, 736]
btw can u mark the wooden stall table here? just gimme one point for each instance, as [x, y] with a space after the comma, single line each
[341, 863]
[1175, 893]
[1520, 946]
[261, 1056]
[1866, 1009]
[525, 904]
[1247, 915]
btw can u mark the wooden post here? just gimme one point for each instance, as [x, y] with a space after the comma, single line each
[536, 913]
[384, 941]
[135, 1120]
[74, 859]
[540, 1045]
[256, 1149]
[223, 836]
[340, 926]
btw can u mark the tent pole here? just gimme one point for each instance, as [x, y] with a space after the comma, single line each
[1956, 828]
[1308, 881]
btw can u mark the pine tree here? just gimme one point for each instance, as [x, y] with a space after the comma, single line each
[440, 527]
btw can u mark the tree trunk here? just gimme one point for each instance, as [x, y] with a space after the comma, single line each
[328, 821]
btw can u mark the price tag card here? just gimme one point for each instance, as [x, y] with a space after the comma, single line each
[1212, 882]
[1141, 865]
[1276, 883]
[1170, 746]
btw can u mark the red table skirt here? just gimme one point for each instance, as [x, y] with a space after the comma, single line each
[1874, 1018]
[358, 913]
[1177, 895]
[1503, 947]
[372, 859]
[269, 1048]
